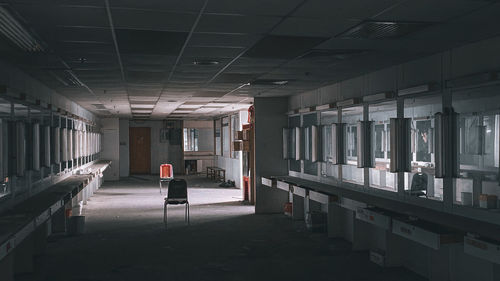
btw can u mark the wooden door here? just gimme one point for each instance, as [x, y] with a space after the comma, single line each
[140, 150]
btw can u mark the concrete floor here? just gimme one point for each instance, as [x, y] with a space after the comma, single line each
[126, 240]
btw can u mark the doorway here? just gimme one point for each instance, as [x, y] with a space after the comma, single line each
[140, 150]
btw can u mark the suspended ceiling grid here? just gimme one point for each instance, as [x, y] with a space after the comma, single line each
[196, 58]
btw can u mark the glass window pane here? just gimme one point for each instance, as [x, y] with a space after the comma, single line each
[350, 117]
[421, 180]
[380, 176]
[293, 122]
[328, 169]
[309, 120]
[478, 147]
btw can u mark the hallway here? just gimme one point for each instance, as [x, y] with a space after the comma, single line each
[125, 240]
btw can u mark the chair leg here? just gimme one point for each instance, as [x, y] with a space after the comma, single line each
[185, 213]
[188, 212]
[165, 214]
[160, 186]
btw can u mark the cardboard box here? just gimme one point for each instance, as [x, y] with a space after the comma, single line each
[237, 146]
[238, 135]
[246, 134]
[246, 145]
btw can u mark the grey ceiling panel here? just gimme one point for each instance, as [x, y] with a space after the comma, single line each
[150, 42]
[213, 52]
[85, 47]
[145, 77]
[283, 47]
[255, 7]
[191, 6]
[236, 77]
[223, 40]
[297, 26]
[84, 34]
[353, 9]
[236, 24]
[152, 20]
[429, 10]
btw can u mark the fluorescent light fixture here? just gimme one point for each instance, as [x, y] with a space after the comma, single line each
[15, 32]
[325, 106]
[205, 62]
[183, 111]
[379, 96]
[415, 90]
[135, 105]
[348, 102]
[304, 110]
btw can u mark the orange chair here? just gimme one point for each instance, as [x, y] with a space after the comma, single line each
[166, 173]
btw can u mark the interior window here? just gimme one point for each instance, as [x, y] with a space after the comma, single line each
[380, 176]
[351, 116]
[421, 181]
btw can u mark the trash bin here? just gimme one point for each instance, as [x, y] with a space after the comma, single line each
[76, 225]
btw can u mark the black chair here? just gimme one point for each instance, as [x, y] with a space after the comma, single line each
[177, 194]
[418, 184]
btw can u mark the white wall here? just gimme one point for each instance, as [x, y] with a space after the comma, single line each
[111, 147]
[233, 166]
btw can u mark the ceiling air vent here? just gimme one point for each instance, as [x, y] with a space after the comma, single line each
[382, 29]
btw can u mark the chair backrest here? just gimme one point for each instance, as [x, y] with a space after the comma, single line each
[419, 181]
[177, 189]
[166, 171]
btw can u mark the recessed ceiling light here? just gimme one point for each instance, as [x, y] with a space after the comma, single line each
[205, 62]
